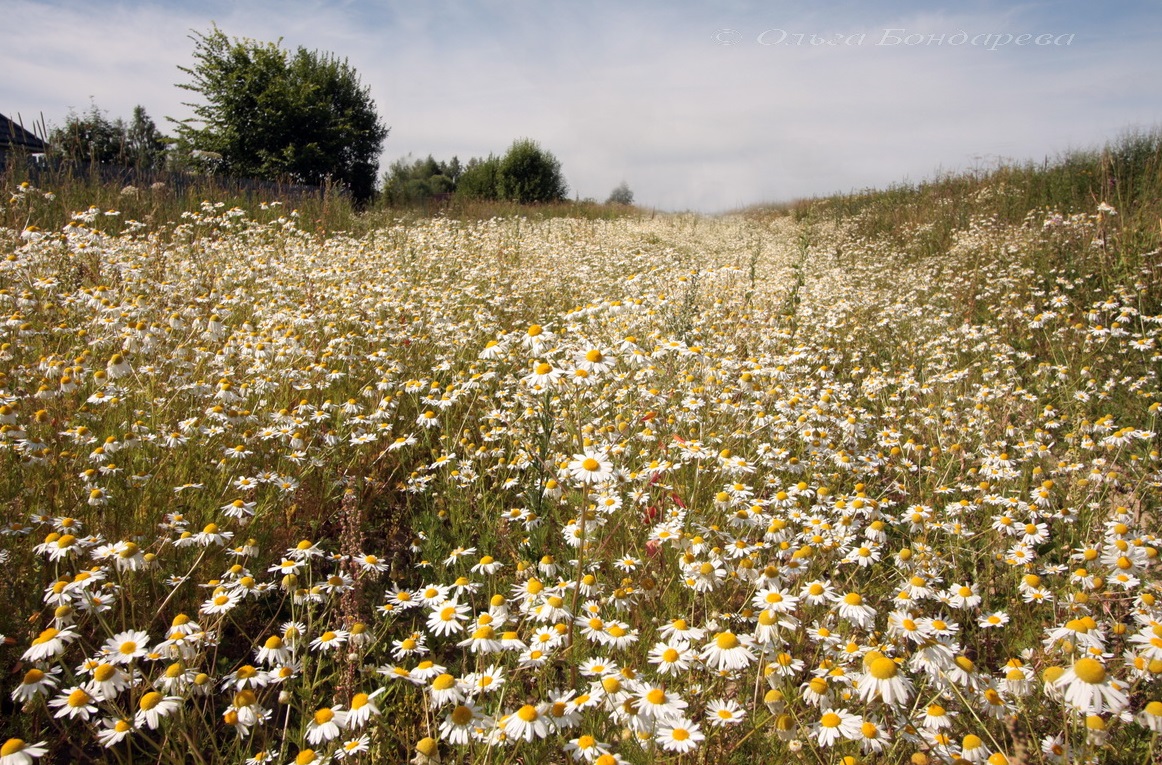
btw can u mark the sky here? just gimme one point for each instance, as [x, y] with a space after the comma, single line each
[696, 106]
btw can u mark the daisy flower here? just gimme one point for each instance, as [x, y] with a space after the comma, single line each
[19, 752]
[721, 712]
[728, 652]
[325, 725]
[671, 657]
[363, 708]
[114, 731]
[330, 640]
[973, 749]
[152, 707]
[590, 467]
[835, 724]
[49, 644]
[448, 619]
[586, 748]
[882, 678]
[445, 690]
[353, 747]
[36, 682]
[457, 727]
[124, 647]
[74, 702]
[852, 608]
[680, 735]
[526, 723]
[1088, 688]
[656, 702]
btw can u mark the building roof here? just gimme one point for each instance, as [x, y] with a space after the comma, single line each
[13, 135]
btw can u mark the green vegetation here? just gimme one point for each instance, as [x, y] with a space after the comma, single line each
[270, 114]
[792, 486]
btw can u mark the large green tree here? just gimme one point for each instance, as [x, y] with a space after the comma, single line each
[269, 113]
[528, 173]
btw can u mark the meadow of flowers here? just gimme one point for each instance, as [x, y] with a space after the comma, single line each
[659, 489]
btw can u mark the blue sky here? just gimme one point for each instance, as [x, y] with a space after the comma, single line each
[695, 105]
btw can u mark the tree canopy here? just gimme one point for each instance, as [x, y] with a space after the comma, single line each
[94, 138]
[272, 114]
[528, 173]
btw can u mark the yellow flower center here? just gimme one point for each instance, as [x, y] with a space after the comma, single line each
[591, 465]
[883, 668]
[528, 713]
[104, 672]
[11, 746]
[324, 716]
[830, 720]
[853, 599]
[150, 700]
[79, 698]
[443, 682]
[726, 640]
[1089, 670]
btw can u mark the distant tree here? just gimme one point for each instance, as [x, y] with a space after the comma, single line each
[89, 137]
[145, 144]
[528, 174]
[479, 179]
[409, 183]
[276, 115]
[621, 195]
[94, 138]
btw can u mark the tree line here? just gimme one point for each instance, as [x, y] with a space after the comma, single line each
[302, 117]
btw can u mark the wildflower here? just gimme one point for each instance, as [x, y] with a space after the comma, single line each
[1151, 716]
[993, 620]
[721, 712]
[457, 727]
[36, 682]
[18, 752]
[445, 690]
[153, 706]
[448, 619]
[107, 681]
[1088, 688]
[852, 608]
[655, 702]
[325, 725]
[728, 652]
[114, 731]
[526, 723]
[353, 747]
[220, 603]
[363, 708]
[680, 735]
[74, 702]
[590, 467]
[331, 640]
[835, 724]
[49, 644]
[882, 678]
[427, 751]
[124, 647]
[973, 749]
[671, 657]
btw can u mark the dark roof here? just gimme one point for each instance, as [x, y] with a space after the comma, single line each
[13, 135]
